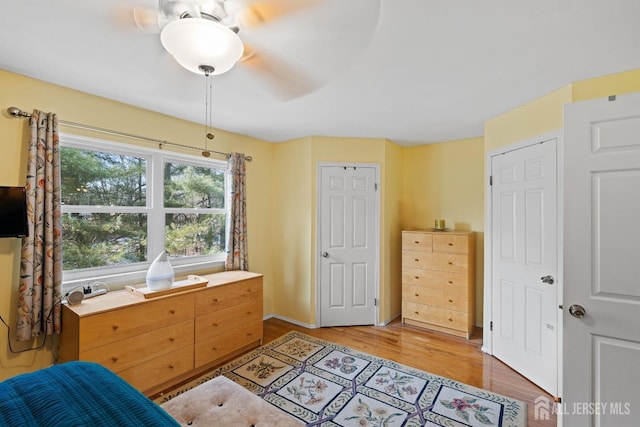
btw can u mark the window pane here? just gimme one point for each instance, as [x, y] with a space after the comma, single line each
[97, 178]
[100, 240]
[193, 186]
[194, 234]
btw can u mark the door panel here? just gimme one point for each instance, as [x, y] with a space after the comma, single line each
[524, 249]
[348, 245]
[601, 351]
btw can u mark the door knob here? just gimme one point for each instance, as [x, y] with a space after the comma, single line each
[547, 279]
[577, 311]
[325, 254]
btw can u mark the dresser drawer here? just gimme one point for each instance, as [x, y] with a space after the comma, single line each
[439, 297]
[416, 241]
[210, 350]
[435, 278]
[435, 315]
[132, 351]
[451, 243]
[104, 328]
[221, 297]
[159, 370]
[435, 261]
[220, 321]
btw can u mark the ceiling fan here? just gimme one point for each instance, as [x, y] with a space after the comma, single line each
[204, 36]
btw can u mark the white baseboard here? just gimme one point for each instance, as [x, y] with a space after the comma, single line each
[286, 319]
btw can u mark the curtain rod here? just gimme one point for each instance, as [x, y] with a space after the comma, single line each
[18, 113]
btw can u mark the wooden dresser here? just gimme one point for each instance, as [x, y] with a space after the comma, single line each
[157, 342]
[438, 280]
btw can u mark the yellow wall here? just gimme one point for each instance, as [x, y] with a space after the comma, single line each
[74, 106]
[613, 84]
[446, 181]
[293, 231]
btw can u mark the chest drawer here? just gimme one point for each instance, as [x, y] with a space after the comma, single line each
[439, 297]
[132, 351]
[451, 243]
[104, 328]
[416, 241]
[212, 324]
[435, 278]
[221, 297]
[435, 261]
[435, 315]
[160, 369]
[209, 350]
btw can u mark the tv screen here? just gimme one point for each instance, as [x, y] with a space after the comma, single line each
[13, 212]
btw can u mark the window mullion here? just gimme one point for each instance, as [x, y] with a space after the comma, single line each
[156, 208]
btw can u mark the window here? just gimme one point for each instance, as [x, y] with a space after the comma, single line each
[122, 205]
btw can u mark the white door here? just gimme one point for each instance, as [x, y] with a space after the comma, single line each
[524, 253]
[601, 350]
[348, 245]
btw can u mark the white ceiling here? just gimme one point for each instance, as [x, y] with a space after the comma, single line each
[412, 71]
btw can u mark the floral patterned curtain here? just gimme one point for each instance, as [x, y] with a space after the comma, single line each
[41, 262]
[237, 219]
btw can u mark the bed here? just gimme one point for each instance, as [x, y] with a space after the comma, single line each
[76, 394]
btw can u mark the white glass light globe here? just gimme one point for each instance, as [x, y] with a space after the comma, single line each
[195, 41]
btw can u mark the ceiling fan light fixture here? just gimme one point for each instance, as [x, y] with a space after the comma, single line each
[196, 42]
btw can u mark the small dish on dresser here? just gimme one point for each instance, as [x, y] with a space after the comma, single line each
[440, 229]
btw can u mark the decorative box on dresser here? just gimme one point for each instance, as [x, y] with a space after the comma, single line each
[157, 342]
[438, 280]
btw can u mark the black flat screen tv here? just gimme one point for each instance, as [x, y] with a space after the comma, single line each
[13, 212]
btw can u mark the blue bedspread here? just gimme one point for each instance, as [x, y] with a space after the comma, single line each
[76, 394]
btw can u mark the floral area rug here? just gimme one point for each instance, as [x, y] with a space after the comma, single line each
[325, 384]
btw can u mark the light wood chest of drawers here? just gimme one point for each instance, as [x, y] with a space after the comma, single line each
[438, 280]
[157, 342]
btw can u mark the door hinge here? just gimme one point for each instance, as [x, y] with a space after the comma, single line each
[375, 186]
[375, 302]
[490, 179]
[491, 325]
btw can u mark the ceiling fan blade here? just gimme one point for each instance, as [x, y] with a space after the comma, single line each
[286, 81]
[139, 18]
[260, 12]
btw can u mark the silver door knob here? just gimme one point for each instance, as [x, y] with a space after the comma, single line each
[547, 279]
[325, 254]
[577, 311]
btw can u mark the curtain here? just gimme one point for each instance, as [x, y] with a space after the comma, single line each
[237, 258]
[41, 258]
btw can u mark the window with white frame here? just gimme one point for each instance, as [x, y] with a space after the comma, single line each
[122, 205]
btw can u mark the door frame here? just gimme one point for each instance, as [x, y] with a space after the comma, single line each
[487, 338]
[376, 224]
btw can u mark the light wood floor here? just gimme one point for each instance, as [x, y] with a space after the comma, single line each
[437, 353]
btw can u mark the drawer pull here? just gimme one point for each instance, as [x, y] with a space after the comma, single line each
[215, 325]
[450, 263]
[417, 277]
[450, 300]
[215, 300]
[417, 242]
[450, 244]
[249, 334]
[450, 282]
[417, 295]
[114, 327]
[248, 313]
[417, 313]
[172, 311]
[450, 320]
[172, 339]
[114, 358]
[214, 348]
[416, 260]
[171, 366]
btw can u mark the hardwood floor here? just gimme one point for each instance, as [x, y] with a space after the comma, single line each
[437, 353]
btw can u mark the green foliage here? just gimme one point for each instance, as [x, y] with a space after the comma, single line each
[94, 178]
